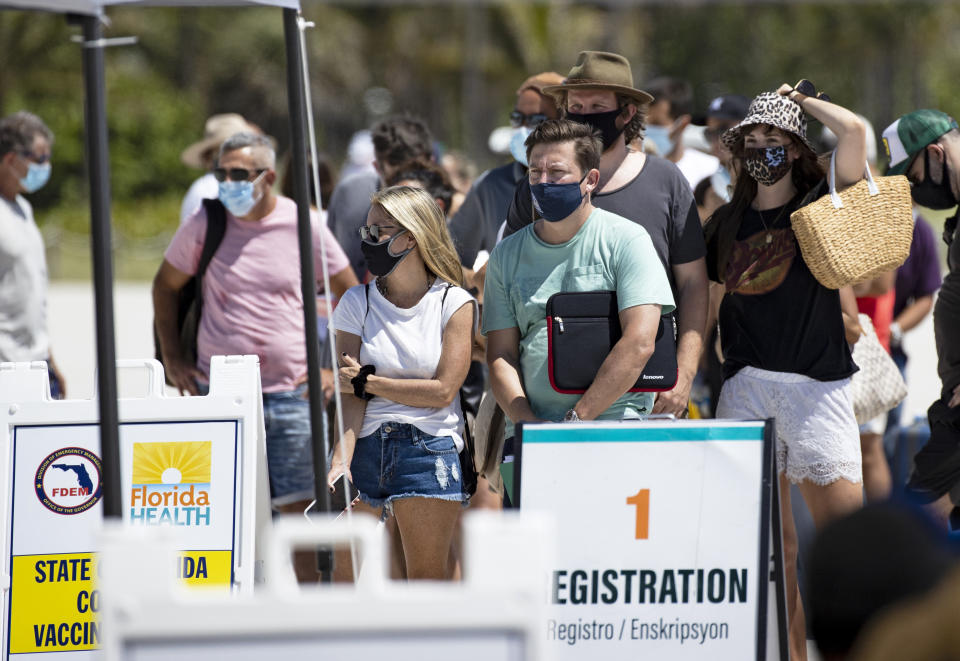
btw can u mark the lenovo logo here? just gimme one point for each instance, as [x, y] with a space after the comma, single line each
[647, 377]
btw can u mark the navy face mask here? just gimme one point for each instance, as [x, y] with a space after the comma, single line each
[557, 201]
[605, 122]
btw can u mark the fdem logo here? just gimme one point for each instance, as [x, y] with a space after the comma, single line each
[171, 483]
[68, 481]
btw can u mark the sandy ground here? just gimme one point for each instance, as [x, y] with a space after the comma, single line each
[71, 320]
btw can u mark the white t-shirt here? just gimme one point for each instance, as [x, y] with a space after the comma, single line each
[404, 343]
[23, 284]
[204, 187]
[697, 166]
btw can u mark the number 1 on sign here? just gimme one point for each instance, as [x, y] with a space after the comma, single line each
[641, 500]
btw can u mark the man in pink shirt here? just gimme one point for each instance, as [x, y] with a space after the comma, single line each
[252, 304]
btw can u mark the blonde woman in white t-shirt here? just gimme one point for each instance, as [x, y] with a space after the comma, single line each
[404, 343]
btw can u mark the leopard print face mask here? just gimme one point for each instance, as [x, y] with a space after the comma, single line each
[767, 165]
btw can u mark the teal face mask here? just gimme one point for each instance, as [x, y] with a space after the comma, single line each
[38, 174]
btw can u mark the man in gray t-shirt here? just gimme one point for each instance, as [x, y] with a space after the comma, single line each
[25, 148]
[476, 225]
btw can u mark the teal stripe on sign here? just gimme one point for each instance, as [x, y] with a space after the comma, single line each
[639, 435]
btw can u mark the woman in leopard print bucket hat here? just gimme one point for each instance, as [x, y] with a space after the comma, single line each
[785, 352]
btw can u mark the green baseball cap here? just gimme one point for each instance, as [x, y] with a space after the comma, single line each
[907, 136]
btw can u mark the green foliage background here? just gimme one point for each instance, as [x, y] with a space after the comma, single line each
[456, 65]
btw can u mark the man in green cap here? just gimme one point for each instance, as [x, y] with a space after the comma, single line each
[925, 146]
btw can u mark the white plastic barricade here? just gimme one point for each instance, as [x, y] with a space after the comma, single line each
[663, 537]
[193, 464]
[480, 619]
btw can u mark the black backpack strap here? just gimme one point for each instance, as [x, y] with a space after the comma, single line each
[216, 229]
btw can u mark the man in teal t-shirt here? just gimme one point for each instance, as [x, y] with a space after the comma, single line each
[574, 247]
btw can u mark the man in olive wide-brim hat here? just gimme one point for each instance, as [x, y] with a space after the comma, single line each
[649, 190]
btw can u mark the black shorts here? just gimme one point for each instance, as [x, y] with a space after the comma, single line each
[936, 468]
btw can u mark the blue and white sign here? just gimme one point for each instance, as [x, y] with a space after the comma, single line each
[663, 535]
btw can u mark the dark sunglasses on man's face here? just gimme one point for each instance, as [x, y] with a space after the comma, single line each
[518, 119]
[236, 174]
[30, 156]
[373, 232]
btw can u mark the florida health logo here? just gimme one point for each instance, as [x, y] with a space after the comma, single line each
[171, 484]
[68, 481]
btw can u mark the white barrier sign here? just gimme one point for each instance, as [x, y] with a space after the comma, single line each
[186, 463]
[662, 537]
[178, 474]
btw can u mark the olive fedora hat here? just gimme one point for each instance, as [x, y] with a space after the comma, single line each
[596, 70]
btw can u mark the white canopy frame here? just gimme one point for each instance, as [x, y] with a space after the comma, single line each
[90, 15]
[96, 7]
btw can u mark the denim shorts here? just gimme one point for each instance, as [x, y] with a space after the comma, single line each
[400, 461]
[286, 416]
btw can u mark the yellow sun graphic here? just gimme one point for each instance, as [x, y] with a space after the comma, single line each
[171, 463]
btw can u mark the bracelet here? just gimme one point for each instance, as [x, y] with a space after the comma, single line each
[360, 382]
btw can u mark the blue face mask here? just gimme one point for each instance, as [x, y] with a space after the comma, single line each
[238, 196]
[38, 174]
[556, 201]
[517, 147]
[660, 137]
[720, 182]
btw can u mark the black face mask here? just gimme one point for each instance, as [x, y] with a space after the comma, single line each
[933, 195]
[380, 261]
[605, 122]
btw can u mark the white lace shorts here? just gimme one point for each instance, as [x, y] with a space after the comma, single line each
[818, 438]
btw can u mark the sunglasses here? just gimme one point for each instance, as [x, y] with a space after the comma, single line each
[235, 174]
[518, 119]
[373, 232]
[807, 88]
[30, 156]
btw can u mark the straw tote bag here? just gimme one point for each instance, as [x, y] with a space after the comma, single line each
[878, 386]
[855, 235]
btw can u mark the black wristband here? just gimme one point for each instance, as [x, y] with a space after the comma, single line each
[360, 382]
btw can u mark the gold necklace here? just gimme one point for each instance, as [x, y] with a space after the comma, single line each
[773, 224]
